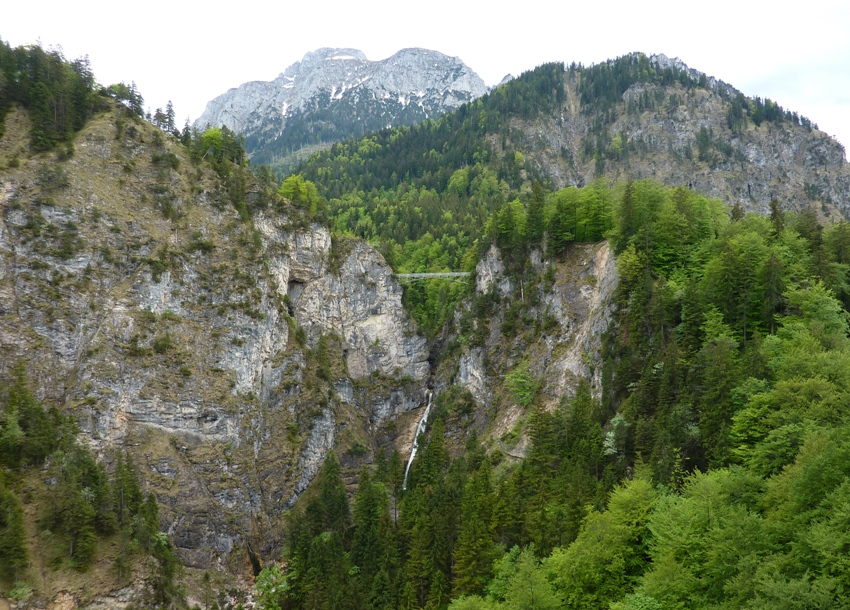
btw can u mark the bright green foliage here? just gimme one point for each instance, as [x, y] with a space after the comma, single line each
[637, 601]
[272, 587]
[473, 602]
[522, 385]
[300, 192]
[608, 556]
[424, 195]
[224, 150]
[219, 144]
[528, 588]
[704, 538]
[712, 472]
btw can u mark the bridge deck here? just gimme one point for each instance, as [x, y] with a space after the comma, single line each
[428, 276]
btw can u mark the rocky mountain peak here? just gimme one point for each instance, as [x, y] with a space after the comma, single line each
[335, 93]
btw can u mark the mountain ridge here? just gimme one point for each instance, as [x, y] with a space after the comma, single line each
[280, 116]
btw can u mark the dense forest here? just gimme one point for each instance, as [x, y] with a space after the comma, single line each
[711, 473]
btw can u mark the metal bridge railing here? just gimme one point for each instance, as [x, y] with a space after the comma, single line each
[428, 276]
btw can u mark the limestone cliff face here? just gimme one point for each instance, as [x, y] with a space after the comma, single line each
[227, 356]
[577, 305]
[555, 339]
[424, 78]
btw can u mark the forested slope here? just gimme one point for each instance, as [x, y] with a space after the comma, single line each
[640, 398]
[709, 472]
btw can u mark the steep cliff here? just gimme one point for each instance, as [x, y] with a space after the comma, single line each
[226, 355]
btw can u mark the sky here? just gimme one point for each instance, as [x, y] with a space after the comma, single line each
[189, 52]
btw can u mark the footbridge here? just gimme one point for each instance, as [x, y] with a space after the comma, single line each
[430, 276]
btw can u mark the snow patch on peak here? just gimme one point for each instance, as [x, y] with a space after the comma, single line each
[415, 77]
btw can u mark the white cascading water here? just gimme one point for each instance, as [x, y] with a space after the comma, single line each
[419, 430]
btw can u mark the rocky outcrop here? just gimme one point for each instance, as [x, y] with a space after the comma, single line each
[490, 272]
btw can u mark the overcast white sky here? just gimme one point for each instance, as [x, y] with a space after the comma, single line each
[189, 52]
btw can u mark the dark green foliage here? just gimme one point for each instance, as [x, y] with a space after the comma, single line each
[166, 160]
[162, 343]
[60, 96]
[130, 96]
[82, 506]
[28, 433]
[602, 87]
[712, 471]
[423, 194]
[13, 548]
[427, 154]
[331, 511]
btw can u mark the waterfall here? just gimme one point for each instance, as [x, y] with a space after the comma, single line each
[419, 430]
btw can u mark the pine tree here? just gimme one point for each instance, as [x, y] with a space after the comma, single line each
[628, 217]
[170, 126]
[333, 500]
[535, 223]
[439, 592]
[369, 507]
[474, 551]
[13, 550]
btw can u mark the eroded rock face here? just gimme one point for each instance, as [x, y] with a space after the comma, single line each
[227, 357]
[490, 271]
[573, 309]
[367, 313]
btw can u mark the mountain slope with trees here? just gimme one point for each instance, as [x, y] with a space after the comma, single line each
[630, 118]
[708, 470]
[639, 400]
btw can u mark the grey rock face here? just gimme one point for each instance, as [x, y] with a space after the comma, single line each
[202, 365]
[420, 79]
[490, 272]
[579, 305]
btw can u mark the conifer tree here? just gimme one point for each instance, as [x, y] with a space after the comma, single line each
[13, 549]
[535, 223]
[330, 511]
[474, 551]
[367, 548]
